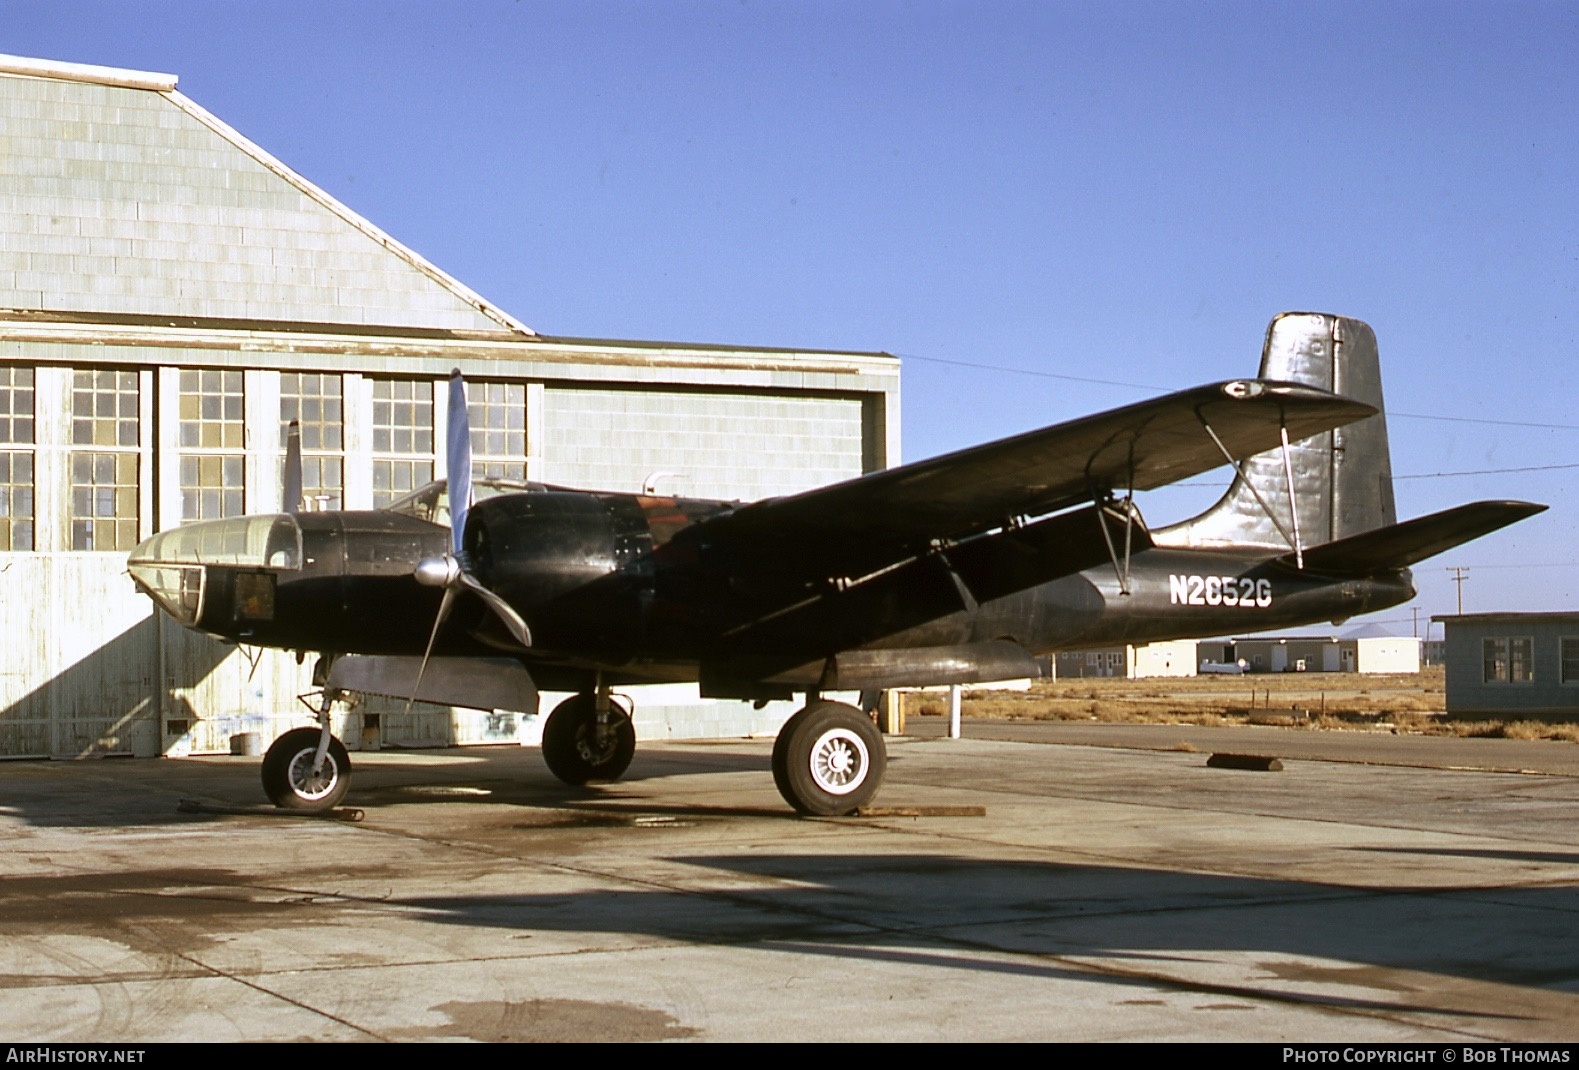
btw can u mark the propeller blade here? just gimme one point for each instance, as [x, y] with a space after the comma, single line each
[433, 636]
[458, 461]
[501, 609]
[449, 571]
[292, 498]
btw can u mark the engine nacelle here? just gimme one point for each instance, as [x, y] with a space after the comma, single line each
[577, 567]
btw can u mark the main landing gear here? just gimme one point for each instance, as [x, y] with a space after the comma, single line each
[589, 738]
[829, 759]
[307, 769]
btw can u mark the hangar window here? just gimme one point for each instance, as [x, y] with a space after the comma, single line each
[213, 435]
[315, 401]
[104, 415]
[16, 458]
[498, 421]
[1508, 660]
[212, 409]
[402, 438]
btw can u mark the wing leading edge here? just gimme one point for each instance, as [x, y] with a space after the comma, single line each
[850, 527]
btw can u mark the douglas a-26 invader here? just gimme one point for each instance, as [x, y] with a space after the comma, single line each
[958, 569]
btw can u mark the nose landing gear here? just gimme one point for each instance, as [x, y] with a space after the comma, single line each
[308, 769]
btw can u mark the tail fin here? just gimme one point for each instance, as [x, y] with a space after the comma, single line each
[1342, 480]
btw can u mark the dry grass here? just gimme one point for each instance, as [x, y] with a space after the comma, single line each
[1310, 701]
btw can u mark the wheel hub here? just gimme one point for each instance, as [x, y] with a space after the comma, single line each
[595, 746]
[839, 761]
[308, 784]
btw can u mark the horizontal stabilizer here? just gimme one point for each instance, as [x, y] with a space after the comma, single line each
[1401, 545]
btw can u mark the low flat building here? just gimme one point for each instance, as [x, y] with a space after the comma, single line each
[1307, 653]
[1512, 663]
[1133, 662]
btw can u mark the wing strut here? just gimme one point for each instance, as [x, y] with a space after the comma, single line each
[1105, 503]
[1293, 506]
[1288, 472]
[1107, 508]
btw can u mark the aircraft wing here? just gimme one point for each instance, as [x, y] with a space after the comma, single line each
[851, 527]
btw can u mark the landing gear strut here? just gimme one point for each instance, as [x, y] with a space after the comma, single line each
[828, 760]
[307, 769]
[589, 738]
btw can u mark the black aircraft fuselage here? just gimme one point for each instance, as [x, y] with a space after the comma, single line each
[630, 586]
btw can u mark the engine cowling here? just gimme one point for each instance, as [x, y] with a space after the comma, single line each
[578, 567]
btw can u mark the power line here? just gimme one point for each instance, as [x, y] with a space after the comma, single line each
[1030, 372]
[1432, 475]
[1477, 420]
[1533, 564]
[1152, 386]
[1490, 471]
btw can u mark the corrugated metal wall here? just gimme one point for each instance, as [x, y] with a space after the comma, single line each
[79, 662]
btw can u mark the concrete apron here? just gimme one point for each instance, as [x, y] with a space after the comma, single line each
[1106, 894]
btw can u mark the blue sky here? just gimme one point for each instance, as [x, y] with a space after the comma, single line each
[1051, 192]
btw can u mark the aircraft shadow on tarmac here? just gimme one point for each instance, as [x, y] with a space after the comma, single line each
[959, 913]
[1359, 949]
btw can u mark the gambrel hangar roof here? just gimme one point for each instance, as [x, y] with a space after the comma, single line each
[120, 195]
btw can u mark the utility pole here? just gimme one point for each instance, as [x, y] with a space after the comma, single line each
[1458, 577]
[1415, 625]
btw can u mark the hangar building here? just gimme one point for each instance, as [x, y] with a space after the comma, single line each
[171, 296]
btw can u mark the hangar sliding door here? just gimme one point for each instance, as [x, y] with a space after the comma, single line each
[698, 443]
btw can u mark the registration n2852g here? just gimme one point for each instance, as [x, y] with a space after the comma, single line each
[1218, 591]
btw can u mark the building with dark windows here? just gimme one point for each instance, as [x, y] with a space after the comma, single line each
[172, 296]
[1512, 663]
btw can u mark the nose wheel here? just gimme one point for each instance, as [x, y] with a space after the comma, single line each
[829, 760]
[294, 779]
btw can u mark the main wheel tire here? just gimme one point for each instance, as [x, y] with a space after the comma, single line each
[570, 749]
[781, 753]
[832, 757]
[288, 778]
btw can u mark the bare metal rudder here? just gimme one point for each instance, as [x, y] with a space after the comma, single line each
[1342, 480]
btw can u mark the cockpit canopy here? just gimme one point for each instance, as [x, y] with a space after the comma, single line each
[170, 565]
[431, 502]
[271, 540]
